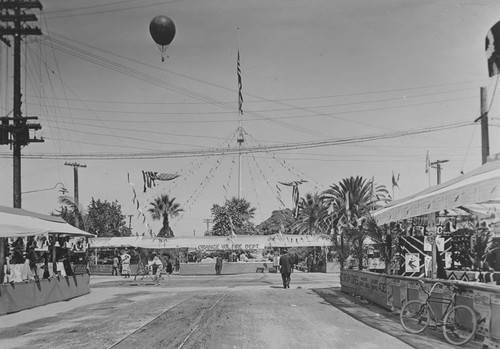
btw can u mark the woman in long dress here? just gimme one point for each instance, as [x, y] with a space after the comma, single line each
[126, 264]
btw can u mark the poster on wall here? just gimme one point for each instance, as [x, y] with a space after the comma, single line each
[483, 312]
[403, 291]
[390, 296]
[412, 263]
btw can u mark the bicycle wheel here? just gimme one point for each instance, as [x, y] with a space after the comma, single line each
[415, 316]
[459, 325]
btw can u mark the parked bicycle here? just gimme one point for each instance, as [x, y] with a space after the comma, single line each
[457, 321]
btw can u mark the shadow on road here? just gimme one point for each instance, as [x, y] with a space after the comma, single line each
[384, 320]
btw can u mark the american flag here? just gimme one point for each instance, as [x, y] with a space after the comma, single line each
[240, 96]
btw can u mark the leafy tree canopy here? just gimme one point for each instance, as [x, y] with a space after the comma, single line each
[106, 219]
[280, 221]
[234, 217]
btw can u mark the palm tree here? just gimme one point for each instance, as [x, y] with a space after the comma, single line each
[163, 208]
[349, 201]
[72, 213]
[308, 220]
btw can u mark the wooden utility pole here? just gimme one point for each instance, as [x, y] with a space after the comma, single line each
[75, 179]
[16, 130]
[485, 138]
[437, 165]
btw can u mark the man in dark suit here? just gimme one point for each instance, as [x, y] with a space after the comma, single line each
[286, 266]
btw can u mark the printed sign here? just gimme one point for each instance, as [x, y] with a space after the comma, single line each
[412, 263]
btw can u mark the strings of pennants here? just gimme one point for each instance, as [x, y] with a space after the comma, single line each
[137, 206]
[196, 193]
[150, 178]
[266, 180]
[295, 194]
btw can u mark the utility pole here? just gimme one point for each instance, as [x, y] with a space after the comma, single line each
[130, 222]
[485, 138]
[208, 221]
[437, 165]
[16, 130]
[75, 177]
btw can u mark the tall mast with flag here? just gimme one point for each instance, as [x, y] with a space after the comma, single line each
[241, 137]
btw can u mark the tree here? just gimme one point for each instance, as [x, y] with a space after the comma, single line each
[163, 208]
[72, 213]
[233, 218]
[279, 222]
[106, 219]
[308, 220]
[348, 201]
[102, 218]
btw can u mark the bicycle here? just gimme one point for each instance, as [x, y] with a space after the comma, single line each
[458, 322]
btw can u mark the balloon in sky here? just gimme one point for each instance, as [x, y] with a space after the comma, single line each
[493, 49]
[162, 30]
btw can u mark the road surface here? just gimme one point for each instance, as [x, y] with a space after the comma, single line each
[228, 311]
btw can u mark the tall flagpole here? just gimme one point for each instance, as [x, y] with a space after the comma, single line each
[241, 137]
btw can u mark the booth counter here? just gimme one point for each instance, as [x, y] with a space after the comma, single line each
[228, 268]
[392, 292]
[29, 294]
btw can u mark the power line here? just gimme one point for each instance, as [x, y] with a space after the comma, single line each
[256, 149]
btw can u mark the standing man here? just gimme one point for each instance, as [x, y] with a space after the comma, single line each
[218, 265]
[286, 266]
[116, 262]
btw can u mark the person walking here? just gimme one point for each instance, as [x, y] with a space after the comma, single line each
[218, 265]
[116, 263]
[126, 264]
[286, 266]
[309, 263]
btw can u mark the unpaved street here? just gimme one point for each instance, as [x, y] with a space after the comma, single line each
[230, 311]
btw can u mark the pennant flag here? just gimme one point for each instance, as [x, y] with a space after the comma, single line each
[427, 162]
[394, 180]
[240, 96]
[295, 194]
[493, 49]
[295, 198]
[150, 177]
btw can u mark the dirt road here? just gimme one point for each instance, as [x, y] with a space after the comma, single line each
[240, 311]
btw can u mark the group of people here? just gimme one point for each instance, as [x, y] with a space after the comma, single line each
[121, 264]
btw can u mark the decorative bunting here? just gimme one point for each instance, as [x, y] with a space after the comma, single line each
[295, 194]
[150, 177]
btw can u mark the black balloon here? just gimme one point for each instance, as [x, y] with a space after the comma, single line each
[162, 30]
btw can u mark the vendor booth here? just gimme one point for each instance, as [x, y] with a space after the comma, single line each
[446, 233]
[196, 255]
[45, 260]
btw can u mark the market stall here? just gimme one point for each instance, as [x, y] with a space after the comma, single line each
[436, 242]
[195, 254]
[45, 262]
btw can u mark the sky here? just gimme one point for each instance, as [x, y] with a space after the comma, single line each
[333, 74]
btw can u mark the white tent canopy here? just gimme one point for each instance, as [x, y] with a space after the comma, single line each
[481, 186]
[235, 242]
[18, 222]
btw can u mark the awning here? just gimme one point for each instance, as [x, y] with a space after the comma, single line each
[481, 186]
[18, 222]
